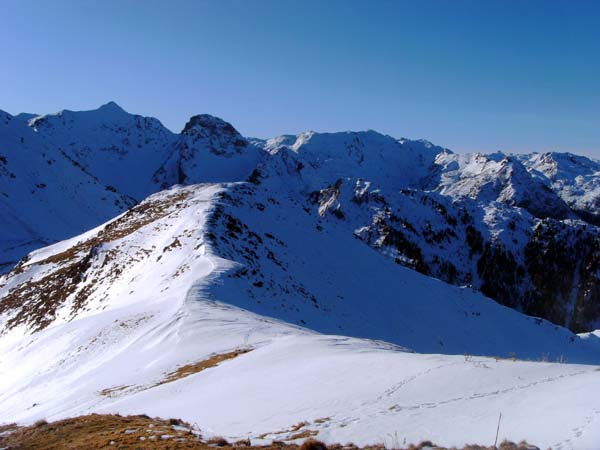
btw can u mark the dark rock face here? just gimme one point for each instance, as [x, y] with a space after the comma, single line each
[221, 136]
[548, 268]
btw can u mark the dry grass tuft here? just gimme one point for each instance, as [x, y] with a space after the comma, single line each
[190, 369]
[298, 426]
[40, 423]
[114, 391]
[313, 444]
[303, 435]
[181, 372]
[523, 445]
[322, 420]
[218, 441]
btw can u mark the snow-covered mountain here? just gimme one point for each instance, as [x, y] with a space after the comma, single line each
[520, 228]
[116, 320]
[207, 150]
[45, 194]
[121, 149]
[574, 178]
[407, 257]
[486, 221]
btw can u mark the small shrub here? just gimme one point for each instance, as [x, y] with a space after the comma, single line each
[313, 444]
[40, 423]
[523, 445]
[421, 445]
[218, 441]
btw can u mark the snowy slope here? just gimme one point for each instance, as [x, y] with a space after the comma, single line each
[44, 194]
[308, 270]
[121, 149]
[95, 324]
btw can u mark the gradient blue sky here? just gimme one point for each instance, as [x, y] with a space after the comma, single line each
[469, 75]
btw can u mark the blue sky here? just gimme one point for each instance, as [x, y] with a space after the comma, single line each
[469, 75]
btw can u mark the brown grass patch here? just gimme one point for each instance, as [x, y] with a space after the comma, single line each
[293, 429]
[181, 372]
[190, 369]
[8, 428]
[298, 426]
[313, 444]
[98, 431]
[218, 441]
[303, 435]
[114, 391]
[322, 420]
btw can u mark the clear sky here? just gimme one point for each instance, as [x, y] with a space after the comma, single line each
[519, 75]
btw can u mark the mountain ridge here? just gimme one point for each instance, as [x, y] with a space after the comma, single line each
[497, 204]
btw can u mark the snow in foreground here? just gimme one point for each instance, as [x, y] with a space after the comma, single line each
[364, 391]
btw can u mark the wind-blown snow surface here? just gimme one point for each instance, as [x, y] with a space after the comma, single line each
[163, 285]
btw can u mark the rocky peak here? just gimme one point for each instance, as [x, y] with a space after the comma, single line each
[207, 125]
[111, 107]
[219, 136]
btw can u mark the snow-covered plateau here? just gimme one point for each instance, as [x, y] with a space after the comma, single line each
[342, 281]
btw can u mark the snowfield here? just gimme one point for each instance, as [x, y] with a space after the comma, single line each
[161, 288]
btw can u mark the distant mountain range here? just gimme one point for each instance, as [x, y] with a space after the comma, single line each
[522, 229]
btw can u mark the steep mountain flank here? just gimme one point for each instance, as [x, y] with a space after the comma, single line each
[121, 149]
[207, 150]
[45, 194]
[475, 220]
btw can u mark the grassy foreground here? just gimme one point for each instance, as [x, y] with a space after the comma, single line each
[97, 431]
